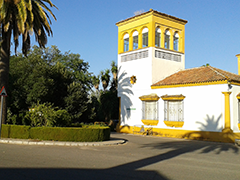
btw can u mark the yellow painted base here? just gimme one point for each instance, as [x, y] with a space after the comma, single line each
[174, 123]
[228, 137]
[239, 126]
[150, 122]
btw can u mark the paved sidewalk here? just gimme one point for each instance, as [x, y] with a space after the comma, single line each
[61, 143]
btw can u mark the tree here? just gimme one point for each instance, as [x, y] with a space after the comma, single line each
[105, 78]
[22, 17]
[96, 81]
[114, 70]
[105, 103]
[45, 77]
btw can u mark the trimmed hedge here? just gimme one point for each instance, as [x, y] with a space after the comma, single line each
[84, 134]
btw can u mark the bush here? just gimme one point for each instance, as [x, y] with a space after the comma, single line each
[86, 134]
[15, 131]
[70, 134]
[46, 115]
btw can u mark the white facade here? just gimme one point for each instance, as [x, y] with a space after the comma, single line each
[203, 106]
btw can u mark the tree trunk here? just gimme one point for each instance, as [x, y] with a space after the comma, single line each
[4, 67]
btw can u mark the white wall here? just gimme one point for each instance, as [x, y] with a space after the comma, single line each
[234, 107]
[203, 107]
[162, 68]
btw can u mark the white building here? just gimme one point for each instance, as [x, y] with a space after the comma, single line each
[158, 96]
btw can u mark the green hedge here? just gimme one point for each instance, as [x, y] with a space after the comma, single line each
[84, 134]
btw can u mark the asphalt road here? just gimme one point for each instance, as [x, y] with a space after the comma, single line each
[141, 157]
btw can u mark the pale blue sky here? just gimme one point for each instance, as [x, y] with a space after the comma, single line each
[87, 27]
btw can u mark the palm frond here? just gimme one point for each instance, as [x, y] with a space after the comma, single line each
[27, 16]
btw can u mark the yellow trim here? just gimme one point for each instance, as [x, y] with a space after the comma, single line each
[235, 83]
[238, 96]
[173, 97]
[227, 112]
[150, 122]
[239, 126]
[192, 84]
[150, 20]
[228, 137]
[174, 123]
[150, 97]
[238, 56]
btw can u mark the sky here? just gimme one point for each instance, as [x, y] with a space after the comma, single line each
[88, 28]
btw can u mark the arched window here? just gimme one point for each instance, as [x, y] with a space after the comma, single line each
[126, 42]
[167, 39]
[135, 40]
[158, 37]
[176, 42]
[145, 37]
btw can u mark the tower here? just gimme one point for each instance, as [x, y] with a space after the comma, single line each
[151, 47]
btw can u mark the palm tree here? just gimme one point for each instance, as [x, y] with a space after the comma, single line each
[96, 81]
[22, 17]
[105, 78]
[114, 70]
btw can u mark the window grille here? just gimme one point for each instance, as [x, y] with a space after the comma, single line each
[150, 110]
[173, 111]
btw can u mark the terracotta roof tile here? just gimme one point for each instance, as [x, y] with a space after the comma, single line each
[198, 75]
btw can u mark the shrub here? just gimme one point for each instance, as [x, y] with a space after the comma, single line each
[15, 131]
[70, 134]
[86, 134]
[46, 115]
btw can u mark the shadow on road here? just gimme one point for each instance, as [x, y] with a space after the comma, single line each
[170, 149]
[81, 174]
[177, 148]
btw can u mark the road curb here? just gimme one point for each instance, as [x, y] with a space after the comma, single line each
[60, 143]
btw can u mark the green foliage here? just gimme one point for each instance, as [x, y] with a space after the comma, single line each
[85, 134]
[105, 103]
[15, 131]
[46, 115]
[11, 118]
[77, 100]
[105, 78]
[114, 69]
[109, 105]
[96, 81]
[206, 65]
[60, 85]
[88, 134]
[26, 17]
[47, 76]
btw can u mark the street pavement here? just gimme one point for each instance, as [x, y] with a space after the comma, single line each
[139, 158]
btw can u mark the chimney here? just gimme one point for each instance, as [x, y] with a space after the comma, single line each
[238, 56]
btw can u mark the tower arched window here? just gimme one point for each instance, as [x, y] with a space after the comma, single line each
[126, 42]
[176, 42]
[135, 40]
[145, 37]
[167, 39]
[158, 37]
